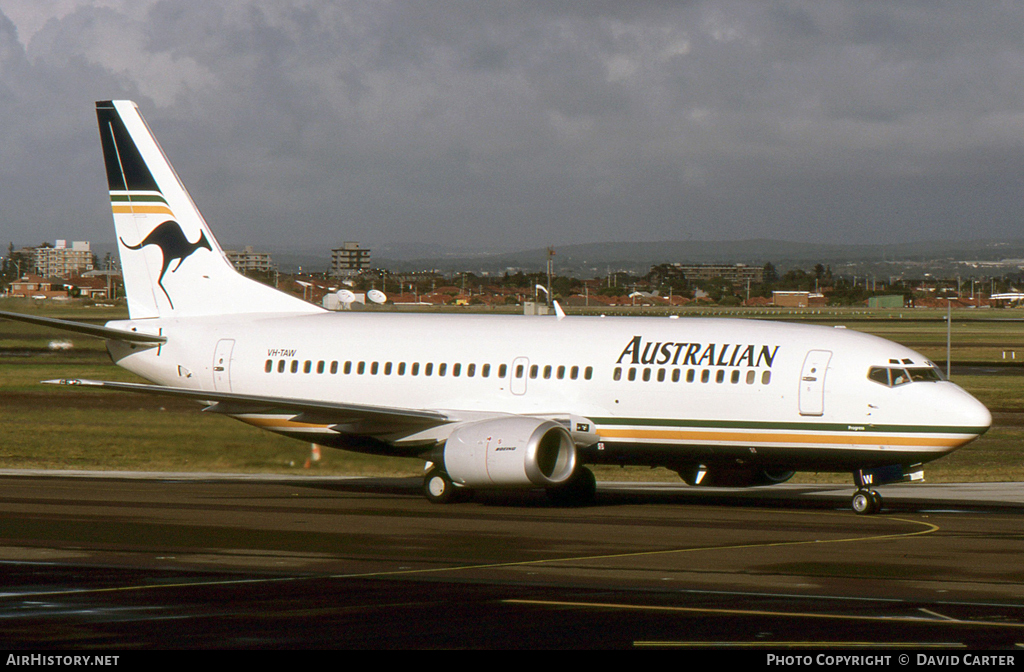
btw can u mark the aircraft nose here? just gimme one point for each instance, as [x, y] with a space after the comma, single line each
[965, 411]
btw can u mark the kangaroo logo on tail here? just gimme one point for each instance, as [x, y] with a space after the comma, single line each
[173, 245]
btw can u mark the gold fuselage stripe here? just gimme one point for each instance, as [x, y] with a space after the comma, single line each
[780, 438]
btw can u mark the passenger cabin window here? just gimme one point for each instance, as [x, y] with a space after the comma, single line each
[734, 376]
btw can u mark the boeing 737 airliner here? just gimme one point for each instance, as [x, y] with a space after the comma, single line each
[506, 401]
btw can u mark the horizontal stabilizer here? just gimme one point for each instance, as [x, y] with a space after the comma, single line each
[324, 412]
[87, 329]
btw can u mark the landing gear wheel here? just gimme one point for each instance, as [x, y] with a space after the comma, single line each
[866, 502]
[578, 491]
[438, 487]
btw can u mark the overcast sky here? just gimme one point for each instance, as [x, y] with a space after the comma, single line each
[522, 124]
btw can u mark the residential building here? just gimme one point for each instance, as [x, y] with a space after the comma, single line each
[248, 261]
[62, 260]
[349, 260]
[737, 274]
[91, 287]
[37, 287]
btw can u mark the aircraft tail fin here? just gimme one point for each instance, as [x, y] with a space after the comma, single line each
[171, 261]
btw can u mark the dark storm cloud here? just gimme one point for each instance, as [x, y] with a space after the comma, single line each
[527, 123]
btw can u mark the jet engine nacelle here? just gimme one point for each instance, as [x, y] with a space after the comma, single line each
[514, 452]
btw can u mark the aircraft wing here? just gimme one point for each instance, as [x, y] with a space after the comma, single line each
[86, 328]
[343, 418]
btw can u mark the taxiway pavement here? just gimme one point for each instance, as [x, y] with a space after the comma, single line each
[215, 561]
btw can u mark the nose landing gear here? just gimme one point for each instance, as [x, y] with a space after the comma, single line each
[866, 502]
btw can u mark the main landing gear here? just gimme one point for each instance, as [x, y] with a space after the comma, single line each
[866, 502]
[438, 487]
[579, 490]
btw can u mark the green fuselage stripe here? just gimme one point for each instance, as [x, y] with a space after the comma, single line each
[851, 427]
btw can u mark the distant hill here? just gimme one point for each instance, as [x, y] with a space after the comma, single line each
[591, 259]
[641, 256]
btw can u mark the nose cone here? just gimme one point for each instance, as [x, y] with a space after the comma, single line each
[967, 414]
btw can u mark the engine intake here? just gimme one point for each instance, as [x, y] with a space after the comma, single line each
[513, 452]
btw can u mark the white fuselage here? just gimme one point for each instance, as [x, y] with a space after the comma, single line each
[656, 390]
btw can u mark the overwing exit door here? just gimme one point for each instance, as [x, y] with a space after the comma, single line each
[517, 382]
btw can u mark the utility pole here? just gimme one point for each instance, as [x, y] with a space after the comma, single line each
[551, 267]
[949, 333]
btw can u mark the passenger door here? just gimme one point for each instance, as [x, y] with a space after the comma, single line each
[812, 382]
[222, 365]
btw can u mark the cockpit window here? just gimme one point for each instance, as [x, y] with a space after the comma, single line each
[893, 376]
[879, 375]
[926, 374]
